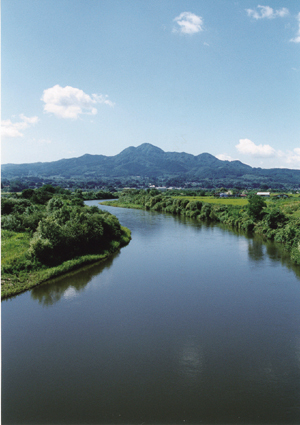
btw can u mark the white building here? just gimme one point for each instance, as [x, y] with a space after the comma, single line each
[266, 194]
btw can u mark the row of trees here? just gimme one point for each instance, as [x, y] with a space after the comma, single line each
[118, 183]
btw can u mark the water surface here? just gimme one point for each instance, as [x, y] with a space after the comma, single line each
[187, 324]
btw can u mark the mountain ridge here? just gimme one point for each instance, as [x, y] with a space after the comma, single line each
[147, 160]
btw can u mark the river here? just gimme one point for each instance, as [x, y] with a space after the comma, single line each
[189, 323]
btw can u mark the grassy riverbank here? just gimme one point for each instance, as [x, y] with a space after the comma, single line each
[15, 247]
[274, 219]
[48, 232]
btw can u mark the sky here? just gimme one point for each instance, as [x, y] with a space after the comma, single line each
[98, 76]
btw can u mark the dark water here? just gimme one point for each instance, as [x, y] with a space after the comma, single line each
[187, 324]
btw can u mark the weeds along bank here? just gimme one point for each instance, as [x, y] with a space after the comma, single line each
[274, 220]
[47, 232]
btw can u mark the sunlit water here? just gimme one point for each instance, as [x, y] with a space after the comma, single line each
[187, 324]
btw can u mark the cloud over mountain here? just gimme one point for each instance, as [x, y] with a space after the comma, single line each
[290, 158]
[248, 147]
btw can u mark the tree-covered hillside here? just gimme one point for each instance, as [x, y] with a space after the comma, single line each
[148, 161]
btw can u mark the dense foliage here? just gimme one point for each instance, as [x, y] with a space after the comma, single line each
[273, 219]
[45, 227]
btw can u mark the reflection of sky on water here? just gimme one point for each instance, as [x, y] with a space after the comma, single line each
[70, 293]
[190, 360]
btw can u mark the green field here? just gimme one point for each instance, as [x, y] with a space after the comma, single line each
[212, 200]
[290, 206]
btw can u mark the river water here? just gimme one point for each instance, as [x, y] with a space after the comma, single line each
[189, 323]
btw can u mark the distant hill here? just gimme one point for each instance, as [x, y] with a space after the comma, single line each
[147, 160]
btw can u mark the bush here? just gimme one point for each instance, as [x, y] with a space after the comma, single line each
[14, 205]
[70, 232]
[255, 207]
[54, 204]
[205, 212]
[275, 218]
[11, 222]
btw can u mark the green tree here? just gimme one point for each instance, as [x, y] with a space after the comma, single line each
[275, 218]
[256, 206]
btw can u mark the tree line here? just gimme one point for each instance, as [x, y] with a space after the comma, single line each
[267, 219]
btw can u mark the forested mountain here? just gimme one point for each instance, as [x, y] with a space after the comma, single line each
[147, 160]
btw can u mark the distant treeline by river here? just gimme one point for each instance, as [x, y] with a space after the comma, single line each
[274, 219]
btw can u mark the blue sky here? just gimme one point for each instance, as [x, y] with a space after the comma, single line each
[97, 76]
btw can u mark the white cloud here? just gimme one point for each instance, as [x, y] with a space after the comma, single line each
[297, 38]
[267, 12]
[189, 23]
[248, 147]
[289, 158]
[70, 102]
[29, 120]
[12, 129]
[225, 157]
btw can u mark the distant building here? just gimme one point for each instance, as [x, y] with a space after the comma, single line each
[266, 194]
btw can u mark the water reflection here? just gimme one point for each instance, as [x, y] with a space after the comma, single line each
[276, 253]
[259, 249]
[184, 327]
[255, 250]
[191, 360]
[70, 285]
[149, 225]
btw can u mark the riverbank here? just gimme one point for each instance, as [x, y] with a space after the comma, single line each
[48, 232]
[13, 284]
[273, 220]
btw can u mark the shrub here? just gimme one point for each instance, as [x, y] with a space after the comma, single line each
[255, 207]
[275, 218]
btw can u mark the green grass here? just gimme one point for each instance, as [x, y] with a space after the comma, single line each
[121, 204]
[290, 206]
[14, 246]
[13, 252]
[212, 200]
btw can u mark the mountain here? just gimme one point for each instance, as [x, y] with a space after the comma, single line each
[147, 160]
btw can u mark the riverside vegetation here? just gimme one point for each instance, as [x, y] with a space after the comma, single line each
[49, 231]
[275, 219]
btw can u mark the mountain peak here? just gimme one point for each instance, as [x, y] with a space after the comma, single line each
[147, 160]
[147, 147]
